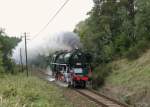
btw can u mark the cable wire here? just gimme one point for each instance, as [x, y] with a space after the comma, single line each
[51, 19]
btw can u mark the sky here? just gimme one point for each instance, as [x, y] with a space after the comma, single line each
[19, 16]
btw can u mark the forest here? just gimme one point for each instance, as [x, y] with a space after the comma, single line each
[115, 29]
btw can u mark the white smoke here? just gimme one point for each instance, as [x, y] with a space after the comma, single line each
[46, 45]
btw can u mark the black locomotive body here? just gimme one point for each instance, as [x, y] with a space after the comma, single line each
[72, 67]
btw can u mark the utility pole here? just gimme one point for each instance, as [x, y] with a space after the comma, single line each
[25, 35]
[21, 60]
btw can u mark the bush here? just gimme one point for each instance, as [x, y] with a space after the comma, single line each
[132, 53]
[137, 50]
[99, 75]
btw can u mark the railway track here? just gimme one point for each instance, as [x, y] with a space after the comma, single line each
[100, 99]
[95, 96]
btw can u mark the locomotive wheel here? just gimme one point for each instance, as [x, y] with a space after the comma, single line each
[83, 84]
[74, 84]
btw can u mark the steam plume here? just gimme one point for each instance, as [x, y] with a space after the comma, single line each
[46, 45]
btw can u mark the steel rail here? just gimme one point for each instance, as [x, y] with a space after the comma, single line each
[113, 100]
[101, 103]
[105, 102]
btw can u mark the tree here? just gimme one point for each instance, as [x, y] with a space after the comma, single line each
[6, 46]
[1, 64]
[114, 27]
[142, 19]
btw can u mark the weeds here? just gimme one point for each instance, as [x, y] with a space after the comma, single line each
[21, 91]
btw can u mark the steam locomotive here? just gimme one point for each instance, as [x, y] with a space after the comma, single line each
[72, 67]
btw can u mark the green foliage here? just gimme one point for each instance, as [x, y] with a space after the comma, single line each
[142, 19]
[19, 90]
[135, 51]
[131, 80]
[1, 64]
[110, 29]
[99, 75]
[6, 46]
[116, 29]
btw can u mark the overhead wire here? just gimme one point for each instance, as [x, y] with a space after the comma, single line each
[51, 19]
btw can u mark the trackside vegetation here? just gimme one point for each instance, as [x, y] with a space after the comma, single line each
[115, 29]
[130, 80]
[7, 44]
[21, 91]
[17, 90]
[117, 33]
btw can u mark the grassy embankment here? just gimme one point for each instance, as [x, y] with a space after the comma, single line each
[21, 91]
[130, 80]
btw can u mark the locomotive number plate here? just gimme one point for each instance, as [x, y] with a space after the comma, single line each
[78, 70]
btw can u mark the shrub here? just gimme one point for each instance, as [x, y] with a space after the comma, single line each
[135, 51]
[132, 53]
[99, 75]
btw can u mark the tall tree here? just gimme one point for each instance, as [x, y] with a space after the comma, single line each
[6, 46]
[114, 28]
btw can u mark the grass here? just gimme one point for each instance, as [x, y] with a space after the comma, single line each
[133, 77]
[21, 91]
[133, 73]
